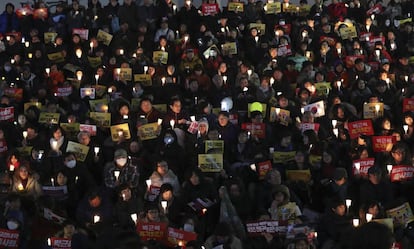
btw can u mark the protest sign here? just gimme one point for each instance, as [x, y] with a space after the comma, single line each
[210, 162]
[80, 150]
[360, 127]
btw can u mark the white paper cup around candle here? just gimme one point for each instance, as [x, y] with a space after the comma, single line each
[271, 150]
[334, 122]
[355, 222]
[52, 181]
[116, 174]
[368, 217]
[125, 116]
[145, 69]
[405, 127]
[159, 121]
[302, 110]
[96, 218]
[357, 166]
[54, 145]
[148, 182]
[11, 168]
[49, 242]
[377, 108]
[336, 132]
[164, 205]
[96, 150]
[47, 70]
[225, 79]
[172, 123]
[253, 167]
[20, 187]
[389, 168]
[249, 72]
[134, 217]
[120, 133]
[192, 118]
[348, 203]
[24, 134]
[406, 78]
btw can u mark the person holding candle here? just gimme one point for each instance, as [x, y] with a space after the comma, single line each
[58, 142]
[169, 204]
[25, 184]
[376, 188]
[93, 208]
[162, 174]
[126, 204]
[128, 173]
[176, 113]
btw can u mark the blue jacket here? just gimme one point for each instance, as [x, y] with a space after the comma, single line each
[4, 22]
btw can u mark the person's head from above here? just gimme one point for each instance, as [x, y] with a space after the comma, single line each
[94, 199]
[223, 118]
[338, 207]
[203, 126]
[374, 175]
[24, 171]
[340, 176]
[281, 195]
[84, 138]
[70, 160]
[124, 192]
[120, 157]
[162, 168]
[175, 105]
[166, 192]
[273, 177]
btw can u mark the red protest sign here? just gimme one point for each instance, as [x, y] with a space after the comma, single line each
[400, 173]
[361, 166]
[15, 93]
[309, 126]
[360, 127]
[256, 228]
[365, 36]
[7, 114]
[209, 9]
[376, 9]
[88, 128]
[408, 105]
[177, 237]
[258, 130]
[262, 168]
[83, 33]
[153, 192]
[350, 60]
[374, 39]
[9, 239]
[152, 230]
[382, 143]
[60, 243]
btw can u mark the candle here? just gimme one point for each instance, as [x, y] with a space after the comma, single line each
[40, 154]
[163, 80]
[406, 78]
[389, 168]
[195, 100]
[110, 90]
[96, 150]
[308, 54]
[123, 196]
[8, 38]
[116, 174]
[180, 243]
[47, 71]
[355, 222]
[120, 133]
[185, 38]
[96, 218]
[271, 150]
[377, 108]
[49, 242]
[145, 69]
[172, 123]
[29, 55]
[27, 44]
[368, 217]
[96, 78]
[245, 89]
[91, 45]
[148, 182]
[334, 122]
[302, 110]
[253, 167]
[204, 211]
[159, 121]
[357, 166]
[20, 187]
[76, 179]
[164, 205]
[24, 134]
[338, 84]
[192, 118]
[54, 145]
[377, 53]
[121, 52]
[249, 72]
[174, 8]
[304, 33]
[11, 168]
[225, 79]
[134, 217]
[52, 181]
[256, 38]
[125, 116]
[348, 203]
[405, 127]
[248, 134]
[336, 132]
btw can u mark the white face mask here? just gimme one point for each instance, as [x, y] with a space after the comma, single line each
[188, 227]
[12, 225]
[121, 161]
[71, 164]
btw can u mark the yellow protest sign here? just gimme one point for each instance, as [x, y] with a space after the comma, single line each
[160, 56]
[120, 130]
[214, 146]
[229, 48]
[100, 90]
[101, 118]
[304, 9]
[49, 118]
[95, 103]
[348, 32]
[70, 127]
[406, 20]
[273, 8]
[235, 7]
[49, 37]
[25, 151]
[283, 157]
[148, 131]
[160, 107]
[210, 162]
[125, 74]
[144, 79]
[29, 104]
[94, 61]
[290, 8]
[298, 175]
[80, 150]
[261, 27]
[373, 110]
[323, 88]
[104, 37]
[56, 57]
[314, 159]
[284, 117]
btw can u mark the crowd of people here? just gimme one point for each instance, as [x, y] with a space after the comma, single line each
[251, 125]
